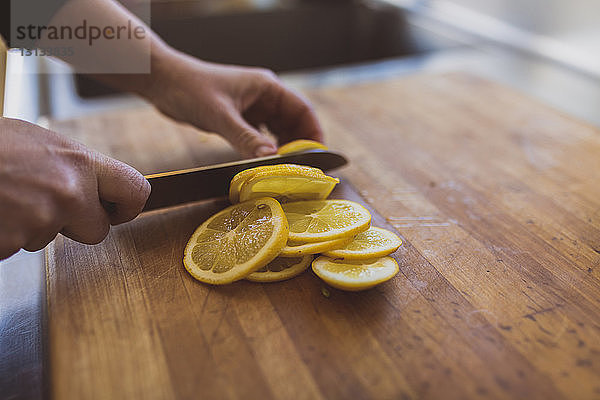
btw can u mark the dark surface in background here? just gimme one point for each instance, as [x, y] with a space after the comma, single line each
[303, 35]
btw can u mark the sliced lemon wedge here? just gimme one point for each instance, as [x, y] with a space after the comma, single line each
[280, 269]
[236, 241]
[372, 243]
[295, 249]
[288, 185]
[324, 220]
[241, 177]
[299, 145]
[355, 275]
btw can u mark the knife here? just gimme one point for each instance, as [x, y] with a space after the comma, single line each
[184, 186]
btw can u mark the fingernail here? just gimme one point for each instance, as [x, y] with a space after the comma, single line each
[263, 151]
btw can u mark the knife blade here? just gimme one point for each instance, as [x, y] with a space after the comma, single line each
[184, 186]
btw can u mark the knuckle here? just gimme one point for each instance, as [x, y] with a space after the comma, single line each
[304, 108]
[44, 216]
[68, 189]
[247, 139]
[101, 232]
[96, 234]
[38, 244]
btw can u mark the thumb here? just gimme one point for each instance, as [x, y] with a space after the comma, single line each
[122, 190]
[247, 140]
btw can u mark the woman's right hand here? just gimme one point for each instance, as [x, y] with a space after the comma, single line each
[50, 184]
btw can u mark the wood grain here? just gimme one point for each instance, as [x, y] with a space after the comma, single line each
[495, 196]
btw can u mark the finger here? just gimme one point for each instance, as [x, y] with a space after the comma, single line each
[89, 224]
[122, 189]
[44, 226]
[286, 113]
[6, 252]
[245, 139]
[40, 241]
[40, 224]
[9, 244]
[296, 119]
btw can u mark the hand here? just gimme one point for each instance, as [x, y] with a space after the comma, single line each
[50, 184]
[232, 101]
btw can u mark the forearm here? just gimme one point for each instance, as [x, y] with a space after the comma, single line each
[232, 101]
[144, 84]
[130, 62]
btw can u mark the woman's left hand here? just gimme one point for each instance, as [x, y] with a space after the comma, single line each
[233, 102]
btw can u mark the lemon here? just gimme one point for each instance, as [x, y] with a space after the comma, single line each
[240, 178]
[294, 249]
[280, 269]
[372, 243]
[355, 275]
[236, 241]
[288, 185]
[324, 220]
[299, 145]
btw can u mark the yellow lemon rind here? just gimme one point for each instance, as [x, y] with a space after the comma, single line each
[241, 177]
[339, 281]
[314, 248]
[314, 174]
[288, 273]
[268, 252]
[393, 243]
[300, 145]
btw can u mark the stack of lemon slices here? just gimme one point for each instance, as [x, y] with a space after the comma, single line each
[280, 219]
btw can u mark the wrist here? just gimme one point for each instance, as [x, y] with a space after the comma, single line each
[162, 60]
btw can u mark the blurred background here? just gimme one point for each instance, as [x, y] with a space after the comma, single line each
[548, 49]
[529, 44]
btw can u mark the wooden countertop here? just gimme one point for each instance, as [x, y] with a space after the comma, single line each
[497, 199]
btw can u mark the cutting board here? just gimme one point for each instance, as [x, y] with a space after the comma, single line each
[496, 197]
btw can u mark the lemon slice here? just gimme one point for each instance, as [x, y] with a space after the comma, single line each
[324, 220]
[299, 145]
[280, 269]
[240, 178]
[372, 243]
[355, 275]
[288, 185]
[295, 249]
[236, 241]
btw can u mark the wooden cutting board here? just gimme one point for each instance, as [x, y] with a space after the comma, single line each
[496, 197]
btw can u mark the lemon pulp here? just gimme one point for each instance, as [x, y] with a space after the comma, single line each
[322, 220]
[372, 243]
[281, 268]
[236, 241]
